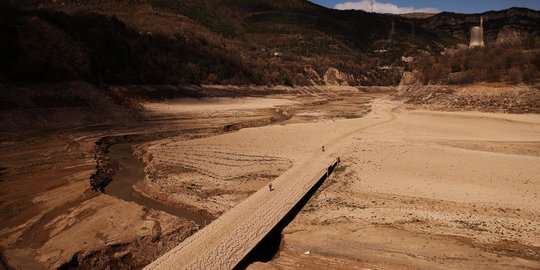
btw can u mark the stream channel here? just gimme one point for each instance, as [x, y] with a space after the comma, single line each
[131, 171]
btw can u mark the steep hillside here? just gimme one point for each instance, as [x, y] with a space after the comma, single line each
[49, 45]
[505, 26]
[212, 41]
[511, 54]
[227, 41]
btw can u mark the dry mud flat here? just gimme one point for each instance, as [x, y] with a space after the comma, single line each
[428, 190]
[417, 189]
[213, 174]
[49, 216]
[486, 97]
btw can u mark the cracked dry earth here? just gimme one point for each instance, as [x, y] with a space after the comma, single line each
[50, 218]
[428, 190]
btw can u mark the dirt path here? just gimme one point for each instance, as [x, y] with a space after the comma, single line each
[223, 243]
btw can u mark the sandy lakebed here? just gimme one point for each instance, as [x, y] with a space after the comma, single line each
[415, 189]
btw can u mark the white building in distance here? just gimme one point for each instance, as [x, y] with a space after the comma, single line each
[477, 35]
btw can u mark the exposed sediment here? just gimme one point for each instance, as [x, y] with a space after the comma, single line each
[486, 98]
[67, 204]
[106, 167]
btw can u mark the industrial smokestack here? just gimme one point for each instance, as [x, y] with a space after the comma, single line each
[477, 35]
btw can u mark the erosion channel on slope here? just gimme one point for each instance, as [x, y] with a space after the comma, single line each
[131, 171]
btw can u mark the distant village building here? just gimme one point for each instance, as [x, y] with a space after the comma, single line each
[477, 35]
[407, 59]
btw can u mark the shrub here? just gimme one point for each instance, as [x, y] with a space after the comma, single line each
[492, 63]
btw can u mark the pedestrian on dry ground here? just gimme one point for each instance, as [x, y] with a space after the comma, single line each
[323, 148]
[270, 186]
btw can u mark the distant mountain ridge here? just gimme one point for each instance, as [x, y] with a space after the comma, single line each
[418, 15]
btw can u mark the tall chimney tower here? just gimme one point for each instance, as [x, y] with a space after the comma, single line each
[477, 35]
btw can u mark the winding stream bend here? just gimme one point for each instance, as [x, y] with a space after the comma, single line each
[131, 171]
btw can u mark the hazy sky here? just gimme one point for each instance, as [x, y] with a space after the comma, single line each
[407, 6]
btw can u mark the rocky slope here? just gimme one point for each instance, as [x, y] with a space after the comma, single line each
[505, 26]
[482, 97]
[213, 41]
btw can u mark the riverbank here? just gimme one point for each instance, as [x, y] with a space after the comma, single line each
[130, 173]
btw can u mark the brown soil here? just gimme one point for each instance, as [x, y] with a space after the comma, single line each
[50, 217]
[427, 190]
[416, 189]
[216, 176]
[479, 97]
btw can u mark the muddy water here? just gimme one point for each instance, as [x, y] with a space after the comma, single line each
[131, 171]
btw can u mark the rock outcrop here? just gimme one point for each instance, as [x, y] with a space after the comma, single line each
[334, 77]
[409, 79]
[509, 34]
[482, 97]
[312, 76]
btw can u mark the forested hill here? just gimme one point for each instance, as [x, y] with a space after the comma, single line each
[210, 41]
[505, 26]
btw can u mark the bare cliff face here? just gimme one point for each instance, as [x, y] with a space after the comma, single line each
[509, 34]
[337, 78]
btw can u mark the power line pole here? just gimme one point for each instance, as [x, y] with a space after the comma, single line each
[372, 2]
[393, 29]
[412, 30]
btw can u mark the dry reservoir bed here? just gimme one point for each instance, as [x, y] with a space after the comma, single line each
[416, 189]
[50, 217]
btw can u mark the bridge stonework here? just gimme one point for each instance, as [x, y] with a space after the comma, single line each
[226, 241]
